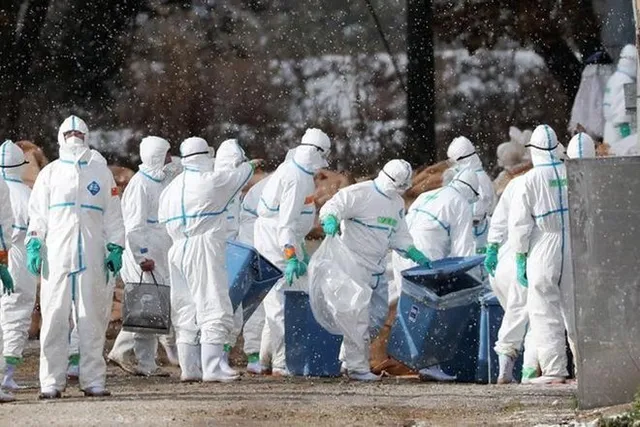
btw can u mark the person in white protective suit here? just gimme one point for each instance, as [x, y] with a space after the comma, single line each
[146, 251]
[539, 231]
[16, 308]
[286, 214]
[229, 156]
[581, 146]
[441, 225]
[252, 330]
[617, 121]
[6, 232]
[462, 154]
[370, 217]
[75, 240]
[500, 264]
[587, 109]
[194, 208]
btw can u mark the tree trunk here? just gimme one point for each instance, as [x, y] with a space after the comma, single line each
[421, 144]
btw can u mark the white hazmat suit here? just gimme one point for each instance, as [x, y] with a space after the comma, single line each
[75, 211]
[16, 309]
[617, 121]
[511, 295]
[193, 207]
[463, 154]
[6, 231]
[286, 214]
[146, 239]
[539, 230]
[371, 217]
[252, 331]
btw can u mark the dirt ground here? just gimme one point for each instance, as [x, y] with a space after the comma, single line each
[267, 401]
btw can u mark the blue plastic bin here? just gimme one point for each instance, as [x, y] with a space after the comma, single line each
[434, 309]
[250, 275]
[311, 351]
[476, 361]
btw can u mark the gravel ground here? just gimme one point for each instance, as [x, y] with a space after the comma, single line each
[267, 401]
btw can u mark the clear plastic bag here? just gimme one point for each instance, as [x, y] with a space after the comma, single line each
[339, 289]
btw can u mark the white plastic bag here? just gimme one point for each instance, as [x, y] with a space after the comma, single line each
[339, 290]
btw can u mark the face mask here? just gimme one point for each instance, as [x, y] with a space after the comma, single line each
[74, 141]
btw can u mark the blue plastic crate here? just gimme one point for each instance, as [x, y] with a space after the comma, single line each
[476, 361]
[311, 351]
[250, 276]
[434, 309]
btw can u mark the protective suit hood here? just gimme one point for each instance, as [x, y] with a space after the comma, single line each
[466, 183]
[230, 155]
[73, 146]
[196, 154]
[313, 150]
[462, 153]
[544, 146]
[12, 161]
[395, 177]
[581, 146]
[627, 63]
[153, 153]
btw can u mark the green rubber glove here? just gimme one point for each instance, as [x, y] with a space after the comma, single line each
[7, 280]
[491, 258]
[625, 130]
[330, 225]
[521, 269]
[34, 256]
[114, 258]
[292, 270]
[418, 257]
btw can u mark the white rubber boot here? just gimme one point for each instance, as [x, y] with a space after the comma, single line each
[507, 364]
[172, 353]
[547, 380]
[6, 397]
[145, 349]
[8, 383]
[212, 358]
[367, 376]
[280, 372]
[190, 362]
[435, 373]
[224, 363]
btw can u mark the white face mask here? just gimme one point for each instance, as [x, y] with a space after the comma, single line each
[74, 141]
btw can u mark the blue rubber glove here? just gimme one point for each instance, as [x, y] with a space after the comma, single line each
[114, 258]
[34, 256]
[625, 130]
[330, 225]
[521, 269]
[7, 280]
[418, 257]
[491, 258]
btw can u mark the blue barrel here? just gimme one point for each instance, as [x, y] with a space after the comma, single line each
[311, 351]
[250, 276]
[434, 311]
[476, 361]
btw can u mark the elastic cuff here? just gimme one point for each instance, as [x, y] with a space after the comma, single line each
[13, 361]
[74, 359]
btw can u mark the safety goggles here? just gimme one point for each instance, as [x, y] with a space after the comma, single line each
[404, 186]
[323, 152]
[468, 185]
[542, 148]
[465, 156]
[195, 154]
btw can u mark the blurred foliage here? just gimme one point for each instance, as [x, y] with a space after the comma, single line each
[211, 68]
